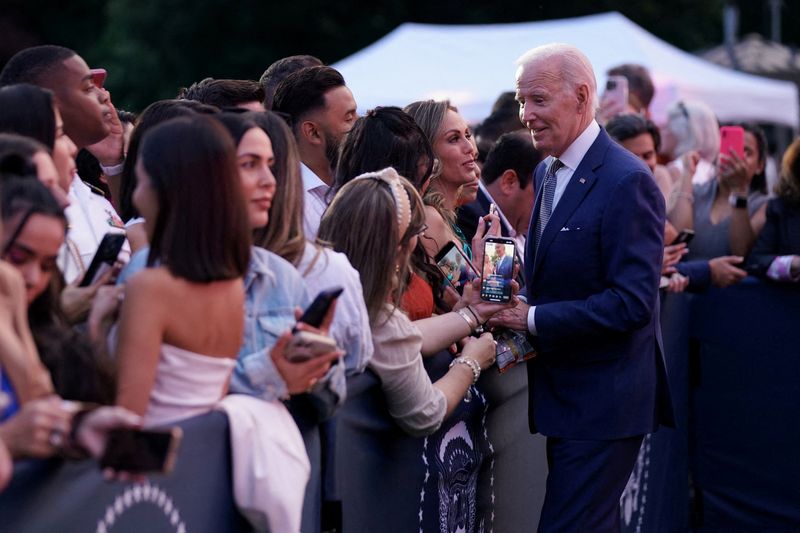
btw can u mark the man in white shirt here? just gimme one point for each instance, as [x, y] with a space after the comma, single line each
[322, 111]
[86, 110]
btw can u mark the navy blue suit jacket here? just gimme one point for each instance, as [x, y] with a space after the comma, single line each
[600, 372]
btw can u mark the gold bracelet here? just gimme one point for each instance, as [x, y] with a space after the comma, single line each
[468, 319]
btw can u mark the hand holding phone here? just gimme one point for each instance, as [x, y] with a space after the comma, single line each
[306, 345]
[731, 140]
[314, 315]
[140, 451]
[106, 254]
[685, 236]
[497, 269]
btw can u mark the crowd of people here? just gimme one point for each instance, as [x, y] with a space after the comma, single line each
[241, 200]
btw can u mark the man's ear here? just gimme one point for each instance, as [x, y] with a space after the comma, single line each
[310, 132]
[509, 182]
[582, 95]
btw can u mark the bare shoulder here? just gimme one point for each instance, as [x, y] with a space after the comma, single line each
[150, 280]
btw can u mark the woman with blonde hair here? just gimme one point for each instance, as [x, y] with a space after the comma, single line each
[455, 176]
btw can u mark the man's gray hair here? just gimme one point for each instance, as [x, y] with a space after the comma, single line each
[575, 67]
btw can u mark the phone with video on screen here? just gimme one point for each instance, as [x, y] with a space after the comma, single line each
[498, 269]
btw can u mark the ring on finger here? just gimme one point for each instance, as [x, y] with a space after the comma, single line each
[311, 384]
[56, 438]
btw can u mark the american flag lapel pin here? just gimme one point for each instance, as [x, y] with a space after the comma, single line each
[582, 180]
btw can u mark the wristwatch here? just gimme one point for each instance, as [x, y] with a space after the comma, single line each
[738, 202]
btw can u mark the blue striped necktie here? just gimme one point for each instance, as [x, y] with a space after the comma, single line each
[546, 209]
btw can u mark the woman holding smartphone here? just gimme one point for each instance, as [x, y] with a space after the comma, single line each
[380, 251]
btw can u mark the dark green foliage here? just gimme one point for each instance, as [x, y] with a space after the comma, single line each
[153, 47]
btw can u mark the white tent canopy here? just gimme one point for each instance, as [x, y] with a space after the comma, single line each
[472, 65]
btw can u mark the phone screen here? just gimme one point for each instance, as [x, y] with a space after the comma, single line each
[498, 269]
[455, 267]
[134, 450]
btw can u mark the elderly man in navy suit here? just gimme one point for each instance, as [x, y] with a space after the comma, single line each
[592, 267]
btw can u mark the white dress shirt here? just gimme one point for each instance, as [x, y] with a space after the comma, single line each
[90, 217]
[315, 192]
[571, 158]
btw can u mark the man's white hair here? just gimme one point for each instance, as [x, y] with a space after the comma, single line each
[575, 67]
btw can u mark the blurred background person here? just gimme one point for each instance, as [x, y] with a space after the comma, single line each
[776, 254]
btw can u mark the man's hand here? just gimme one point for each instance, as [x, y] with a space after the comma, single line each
[111, 150]
[723, 271]
[513, 318]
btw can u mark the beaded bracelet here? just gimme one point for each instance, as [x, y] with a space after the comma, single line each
[471, 363]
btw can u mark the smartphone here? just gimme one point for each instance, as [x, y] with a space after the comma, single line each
[306, 345]
[455, 267]
[492, 211]
[686, 235]
[138, 450]
[498, 269]
[106, 254]
[315, 313]
[731, 138]
[617, 92]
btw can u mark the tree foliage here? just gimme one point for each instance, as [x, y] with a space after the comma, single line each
[151, 48]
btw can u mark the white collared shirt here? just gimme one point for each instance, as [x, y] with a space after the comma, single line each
[315, 192]
[90, 217]
[571, 158]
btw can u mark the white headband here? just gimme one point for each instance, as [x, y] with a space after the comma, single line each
[401, 200]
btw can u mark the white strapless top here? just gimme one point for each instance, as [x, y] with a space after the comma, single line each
[187, 384]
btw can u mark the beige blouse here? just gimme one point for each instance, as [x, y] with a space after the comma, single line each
[415, 404]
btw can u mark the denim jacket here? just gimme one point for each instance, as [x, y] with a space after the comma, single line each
[273, 289]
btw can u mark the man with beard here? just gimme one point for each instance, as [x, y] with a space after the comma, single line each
[321, 110]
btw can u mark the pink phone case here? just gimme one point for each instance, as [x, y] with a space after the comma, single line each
[731, 138]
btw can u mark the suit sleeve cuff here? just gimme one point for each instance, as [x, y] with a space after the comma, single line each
[532, 320]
